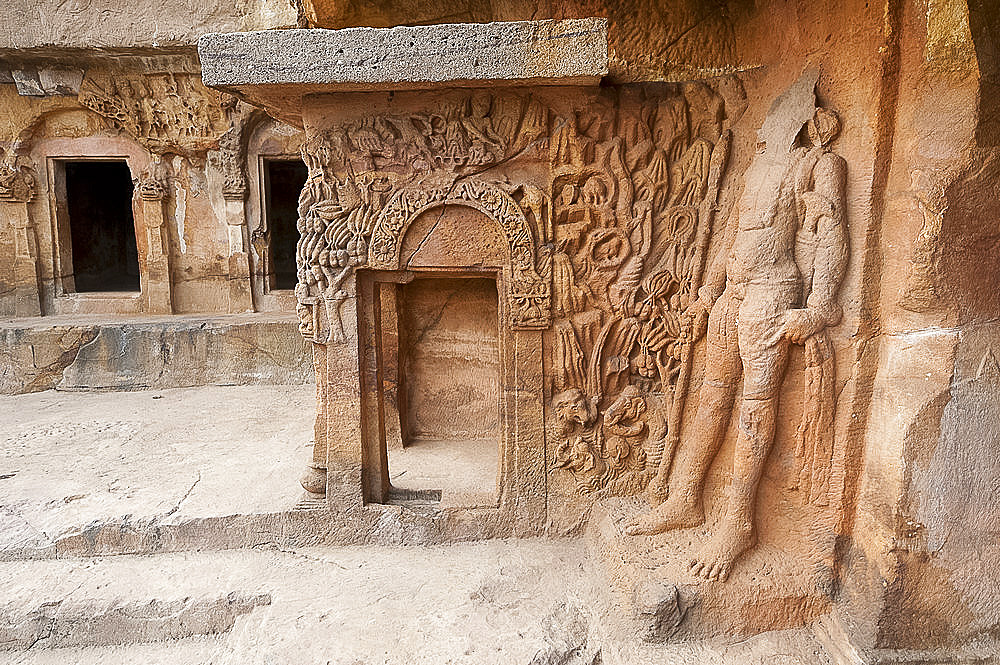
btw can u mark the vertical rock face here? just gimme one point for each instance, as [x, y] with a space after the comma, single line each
[738, 295]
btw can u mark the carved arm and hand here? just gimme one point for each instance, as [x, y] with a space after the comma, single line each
[824, 219]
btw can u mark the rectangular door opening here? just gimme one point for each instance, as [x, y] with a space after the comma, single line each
[102, 230]
[283, 181]
[446, 371]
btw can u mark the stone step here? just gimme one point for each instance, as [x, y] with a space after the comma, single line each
[200, 650]
[121, 600]
[102, 622]
[133, 353]
[498, 602]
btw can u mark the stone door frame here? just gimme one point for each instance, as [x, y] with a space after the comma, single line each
[521, 478]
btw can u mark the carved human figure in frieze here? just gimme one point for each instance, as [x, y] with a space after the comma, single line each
[775, 285]
[16, 181]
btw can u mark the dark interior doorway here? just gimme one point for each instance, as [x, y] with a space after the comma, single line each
[283, 180]
[102, 230]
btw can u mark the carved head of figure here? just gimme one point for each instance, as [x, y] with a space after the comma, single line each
[567, 196]
[823, 127]
[480, 104]
[572, 406]
[595, 192]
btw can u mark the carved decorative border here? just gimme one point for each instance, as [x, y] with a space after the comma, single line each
[528, 293]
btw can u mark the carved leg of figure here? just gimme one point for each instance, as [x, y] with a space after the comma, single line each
[333, 303]
[723, 367]
[314, 478]
[735, 533]
[683, 507]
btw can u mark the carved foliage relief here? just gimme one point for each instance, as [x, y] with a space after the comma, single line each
[606, 247]
[632, 205]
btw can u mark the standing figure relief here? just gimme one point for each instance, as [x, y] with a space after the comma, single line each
[774, 286]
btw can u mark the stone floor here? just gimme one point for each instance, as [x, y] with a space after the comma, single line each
[70, 462]
[73, 460]
[464, 471]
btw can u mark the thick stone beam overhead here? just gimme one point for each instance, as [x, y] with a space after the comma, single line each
[253, 64]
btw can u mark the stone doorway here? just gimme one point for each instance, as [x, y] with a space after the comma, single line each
[283, 180]
[97, 198]
[442, 362]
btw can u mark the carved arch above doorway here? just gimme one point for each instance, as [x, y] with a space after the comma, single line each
[527, 291]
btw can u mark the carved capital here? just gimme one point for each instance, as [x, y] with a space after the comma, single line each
[151, 188]
[16, 184]
[235, 192]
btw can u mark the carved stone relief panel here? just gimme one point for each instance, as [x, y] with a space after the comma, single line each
[608, 202]
[164, 111]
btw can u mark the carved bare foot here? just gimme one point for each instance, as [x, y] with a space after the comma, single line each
[677, 512]
[715, 560]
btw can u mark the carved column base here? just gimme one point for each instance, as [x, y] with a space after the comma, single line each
[157, 285]
[240, 297]
[157, 295]
[240, 291]
[27, 300]
[314, 480]
[26, 297]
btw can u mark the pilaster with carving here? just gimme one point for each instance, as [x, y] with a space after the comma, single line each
[17, 189]
[230, 160]
[152, 190]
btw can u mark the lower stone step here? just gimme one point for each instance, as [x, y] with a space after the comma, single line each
[155, 352]
[101, 622]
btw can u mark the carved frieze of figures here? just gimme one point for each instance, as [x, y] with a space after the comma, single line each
[166, 112]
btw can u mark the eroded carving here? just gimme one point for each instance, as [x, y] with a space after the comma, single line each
[775, 285]
[165, 112]
[528, 294]
[921, 292]
[16, 181]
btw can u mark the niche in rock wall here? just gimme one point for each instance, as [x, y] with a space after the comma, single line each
[448, 364]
